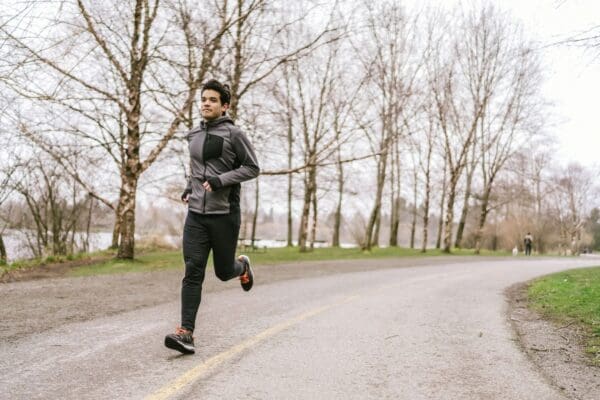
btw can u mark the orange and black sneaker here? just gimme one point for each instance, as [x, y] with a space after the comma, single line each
[247, 277]
[182, 341]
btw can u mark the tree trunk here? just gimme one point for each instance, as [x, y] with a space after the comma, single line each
[395, 223]
[337, 221]
[308, 193]
[370, 229]
[395, 196]
[116, 235]
[465, 209]
[413, 225]
[86, 242]
[377, 229]
[426, 200]
[483, 212]
[127, 217]
[425, 220]
[438, 243]
[290, 242]
[450, 214]
[3, 256]
[313, 231]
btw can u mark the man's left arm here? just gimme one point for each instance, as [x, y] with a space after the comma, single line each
[248, 164]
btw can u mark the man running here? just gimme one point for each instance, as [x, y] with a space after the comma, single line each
[221, 157]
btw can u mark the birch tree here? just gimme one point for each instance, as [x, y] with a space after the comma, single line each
[120, 61]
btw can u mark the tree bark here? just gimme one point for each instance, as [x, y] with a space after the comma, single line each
[413, 225]
[370, 231]
[465, 208]
[3, 255]
[448, 222]
[438, 243]
[395, 196]
[483, 213]
[310, 183]
[315, 219]
[337, 219]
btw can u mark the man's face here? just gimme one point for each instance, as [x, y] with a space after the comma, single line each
[211, 106]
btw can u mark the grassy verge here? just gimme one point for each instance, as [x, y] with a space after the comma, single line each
[50, 261]
[572, 297]
[160, 260]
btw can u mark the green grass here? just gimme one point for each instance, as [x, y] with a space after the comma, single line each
[53, 260]
[572, 297]
[159, 260]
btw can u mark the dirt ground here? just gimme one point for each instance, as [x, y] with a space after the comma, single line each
[35, 302]
[556, 350]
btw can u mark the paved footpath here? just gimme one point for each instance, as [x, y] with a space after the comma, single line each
[426, 332]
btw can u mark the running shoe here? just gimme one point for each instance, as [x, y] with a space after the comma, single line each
[247, 277]
[182, 341]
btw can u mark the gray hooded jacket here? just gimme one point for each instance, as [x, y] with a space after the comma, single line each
[221, 154]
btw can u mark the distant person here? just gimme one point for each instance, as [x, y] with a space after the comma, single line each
[515, 251]
[528, 241]
[221, 157]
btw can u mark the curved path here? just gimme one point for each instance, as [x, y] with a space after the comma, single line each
[428, 332]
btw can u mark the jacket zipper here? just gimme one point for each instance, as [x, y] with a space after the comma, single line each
[204, 173]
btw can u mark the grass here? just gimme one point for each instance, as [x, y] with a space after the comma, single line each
[572, 297]
[76, 258]
[160, 260]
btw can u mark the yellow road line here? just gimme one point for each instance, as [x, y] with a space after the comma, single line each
[197, 372]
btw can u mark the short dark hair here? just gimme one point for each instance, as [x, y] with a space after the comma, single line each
[222, 89]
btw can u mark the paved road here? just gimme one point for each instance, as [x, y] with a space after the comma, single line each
[427, 332]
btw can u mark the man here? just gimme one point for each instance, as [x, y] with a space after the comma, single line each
[528, 243]
[221, 157]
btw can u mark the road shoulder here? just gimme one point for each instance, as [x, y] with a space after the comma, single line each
[556, 350]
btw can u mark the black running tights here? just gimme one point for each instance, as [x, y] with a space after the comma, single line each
[201, 234]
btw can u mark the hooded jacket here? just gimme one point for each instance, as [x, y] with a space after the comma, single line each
[221, 154]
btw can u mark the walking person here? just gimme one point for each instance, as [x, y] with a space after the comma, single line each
[221, 157]
[528, 241]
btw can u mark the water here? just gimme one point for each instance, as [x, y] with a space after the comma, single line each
[17, 247]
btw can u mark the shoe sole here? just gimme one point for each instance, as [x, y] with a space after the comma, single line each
[176, 345]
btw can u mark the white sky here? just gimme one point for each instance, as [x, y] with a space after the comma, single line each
[572, 74]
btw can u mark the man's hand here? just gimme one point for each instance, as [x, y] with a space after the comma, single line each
[212, 183]
[185, 196]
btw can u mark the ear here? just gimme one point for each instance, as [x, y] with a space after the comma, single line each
[225, 107]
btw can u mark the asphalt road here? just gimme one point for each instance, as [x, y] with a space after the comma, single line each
[426, 332]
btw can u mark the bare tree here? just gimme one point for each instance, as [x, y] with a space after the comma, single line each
[471, 163]
[415, 193]
[55, 205]
[119, 62]
[389, 64]
[6, 176]
[574, 189]
[444, 184]
[425, 164]
[462, 81]
[314, 127]
[395, 192]
[512, 118]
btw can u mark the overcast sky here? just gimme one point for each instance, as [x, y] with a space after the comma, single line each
[573, 75]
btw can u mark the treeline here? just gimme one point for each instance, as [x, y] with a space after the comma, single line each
[354, 107]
